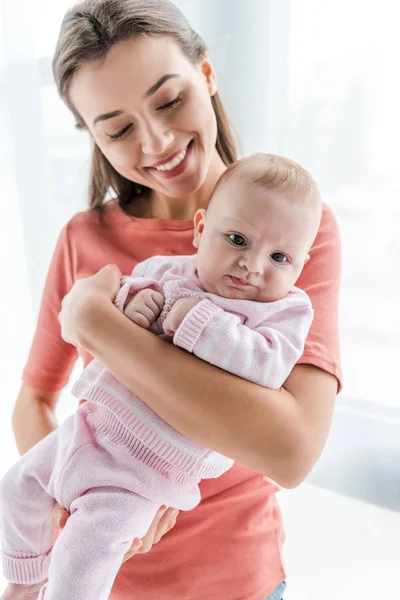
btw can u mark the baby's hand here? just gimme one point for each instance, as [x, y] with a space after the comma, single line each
[145, 307]
[177, 313]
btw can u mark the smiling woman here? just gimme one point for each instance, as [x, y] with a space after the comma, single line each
[138, 100]
[144, 121]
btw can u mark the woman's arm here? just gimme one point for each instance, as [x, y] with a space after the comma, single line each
[33, 417]
[278, 433]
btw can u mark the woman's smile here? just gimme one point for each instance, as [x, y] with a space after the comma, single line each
[173, 166]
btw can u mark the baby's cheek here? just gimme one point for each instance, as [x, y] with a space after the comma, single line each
[285, 283]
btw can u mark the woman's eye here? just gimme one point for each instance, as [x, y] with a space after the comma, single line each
[279, 257]
[120, 134]
[237, 240]
[171, 104]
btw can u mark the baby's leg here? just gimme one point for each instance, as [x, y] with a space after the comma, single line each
[26, 529]
[26, 502]
[89, 552]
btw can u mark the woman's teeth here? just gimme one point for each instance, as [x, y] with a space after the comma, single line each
[172, 163]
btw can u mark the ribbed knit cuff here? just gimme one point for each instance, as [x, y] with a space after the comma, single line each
[25, 570]
[122, 296]
[193, 324]
[131, 287]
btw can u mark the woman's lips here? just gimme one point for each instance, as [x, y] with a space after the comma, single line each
[175, 171]
[164, 162]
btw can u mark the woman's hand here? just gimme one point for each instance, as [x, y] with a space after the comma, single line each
[103, 286]
[163, 522]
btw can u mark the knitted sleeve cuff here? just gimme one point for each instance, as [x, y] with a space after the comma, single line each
[121, 299]
[131, 286]
[194, 323]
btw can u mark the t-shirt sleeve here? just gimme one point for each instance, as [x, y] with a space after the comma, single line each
[51, 358]
[320, 279]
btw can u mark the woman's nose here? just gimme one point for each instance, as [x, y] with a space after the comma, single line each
[155, 139]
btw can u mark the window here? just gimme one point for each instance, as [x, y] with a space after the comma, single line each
[344, 125]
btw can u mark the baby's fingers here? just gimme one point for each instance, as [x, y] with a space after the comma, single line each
[139, 318]
[158, 299]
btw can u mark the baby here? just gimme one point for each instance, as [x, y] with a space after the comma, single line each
[115, 461]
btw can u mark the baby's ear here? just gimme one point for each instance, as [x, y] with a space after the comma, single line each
[199, 220]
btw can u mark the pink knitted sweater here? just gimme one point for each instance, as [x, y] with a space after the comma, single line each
[260, 342]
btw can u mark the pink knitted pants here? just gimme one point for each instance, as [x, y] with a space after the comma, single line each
[111, 495]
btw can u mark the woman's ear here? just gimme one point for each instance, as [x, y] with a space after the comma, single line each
[209, 74]
[199, 220]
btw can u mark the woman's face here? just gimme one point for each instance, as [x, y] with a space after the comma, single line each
[149, 110]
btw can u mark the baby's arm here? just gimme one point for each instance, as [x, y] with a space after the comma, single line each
[264, 354]
[140, 299]
[145, 307]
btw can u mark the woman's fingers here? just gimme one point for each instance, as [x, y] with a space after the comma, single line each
[136, 544]
[76, 304]
[166, 523]
[109, 279]
[148, 539]
[163, 522]
[60, 516]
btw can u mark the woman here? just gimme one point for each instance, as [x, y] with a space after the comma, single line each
[139, 80]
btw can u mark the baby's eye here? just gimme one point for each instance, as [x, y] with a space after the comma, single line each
[237, 239]
[279, 257]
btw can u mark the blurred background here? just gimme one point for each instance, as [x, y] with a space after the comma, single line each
[318, 82]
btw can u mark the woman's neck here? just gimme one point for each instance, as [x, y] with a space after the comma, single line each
[161, 206]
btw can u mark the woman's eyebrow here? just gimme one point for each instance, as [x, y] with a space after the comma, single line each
[150, 92]
[105, 116]
[159, 83]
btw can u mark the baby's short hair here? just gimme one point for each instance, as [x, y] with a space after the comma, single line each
[272, 172]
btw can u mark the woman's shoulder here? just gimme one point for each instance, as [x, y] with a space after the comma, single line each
[320, 279]
[93, 229]
[92, 217]
[325, 253]
[82, 218]
[329, 227]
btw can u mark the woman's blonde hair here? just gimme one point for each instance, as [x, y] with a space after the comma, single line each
[88, 31]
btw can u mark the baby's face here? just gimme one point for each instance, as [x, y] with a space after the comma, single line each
[252, 244]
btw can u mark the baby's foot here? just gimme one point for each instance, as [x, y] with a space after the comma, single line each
[16, 591]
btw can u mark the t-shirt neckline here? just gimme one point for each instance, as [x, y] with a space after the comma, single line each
[116, 212]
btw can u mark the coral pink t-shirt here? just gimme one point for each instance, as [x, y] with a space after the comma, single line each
[229, 547]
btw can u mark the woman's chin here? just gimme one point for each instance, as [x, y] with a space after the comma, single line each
[182, 186]
[181, 189]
